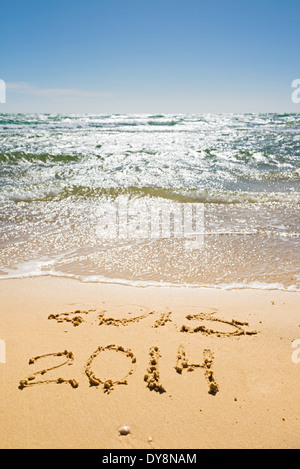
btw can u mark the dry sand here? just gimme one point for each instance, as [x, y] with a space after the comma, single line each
[121, 356]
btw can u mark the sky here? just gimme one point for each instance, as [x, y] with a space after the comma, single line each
[158, 56]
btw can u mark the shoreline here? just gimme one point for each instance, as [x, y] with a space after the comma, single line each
[254, 285]
[248, 334]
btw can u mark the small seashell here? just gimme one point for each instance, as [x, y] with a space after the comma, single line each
[149, 439]
[124, 430]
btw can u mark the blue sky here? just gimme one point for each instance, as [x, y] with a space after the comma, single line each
[136, 56]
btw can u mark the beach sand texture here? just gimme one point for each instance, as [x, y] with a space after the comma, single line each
[182, 367]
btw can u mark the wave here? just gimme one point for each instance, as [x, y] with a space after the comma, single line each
[196, 157]
[31, 270]
[167, 123]
[132, 192]
[271, 176]
[19, 157]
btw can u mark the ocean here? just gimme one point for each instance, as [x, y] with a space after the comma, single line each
[63, 176]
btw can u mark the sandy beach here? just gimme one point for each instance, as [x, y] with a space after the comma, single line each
[149, 227]
[182, 367]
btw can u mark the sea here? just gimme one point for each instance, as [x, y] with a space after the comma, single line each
[107, 198]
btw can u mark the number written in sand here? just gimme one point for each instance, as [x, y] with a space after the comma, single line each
[183, 364]
[209, 324]
[31, 379]
[152, 376]
[108, 384]
[236, 328]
